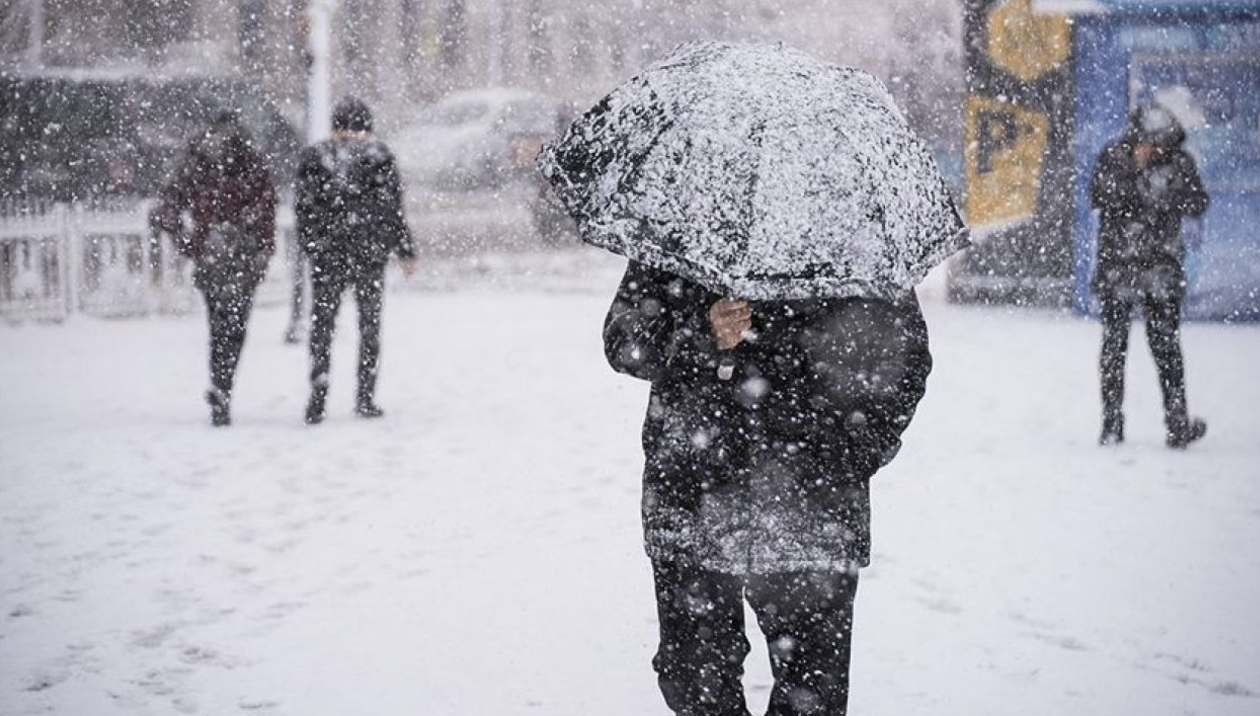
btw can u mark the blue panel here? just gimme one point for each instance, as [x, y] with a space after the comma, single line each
[1101, 111]
[1216, 80]
[1130, 8]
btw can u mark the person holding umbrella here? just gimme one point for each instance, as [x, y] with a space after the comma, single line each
[776, 213]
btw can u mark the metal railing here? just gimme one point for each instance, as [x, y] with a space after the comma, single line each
[57, 260]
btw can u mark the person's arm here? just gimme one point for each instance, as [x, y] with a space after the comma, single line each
[173, 200]
[890, 415]
[1192, 196]
[864, 419]
[306, 200]
[658, 327]
[394, 220]
[260, 217]
[1109, 191]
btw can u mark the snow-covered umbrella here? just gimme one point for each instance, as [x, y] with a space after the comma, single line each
[759, 172]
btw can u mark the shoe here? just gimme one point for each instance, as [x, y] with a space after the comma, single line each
[369, 410]
[1194, 429]
[1112, 432]
[315, 411]
[220, 415]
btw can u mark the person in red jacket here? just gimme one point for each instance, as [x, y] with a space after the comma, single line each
[223, 183]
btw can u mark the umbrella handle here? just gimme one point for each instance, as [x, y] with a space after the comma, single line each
[726, 368]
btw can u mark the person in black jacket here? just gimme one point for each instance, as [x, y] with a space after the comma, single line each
[1143, 185]
[225, 186]
[765, 424]
[348, 202]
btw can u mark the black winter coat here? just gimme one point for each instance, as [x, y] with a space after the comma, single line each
[767, 471]
[348, 204]
[1141, 252]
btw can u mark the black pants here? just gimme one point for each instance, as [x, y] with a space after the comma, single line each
[228, 287]
[807, 620]
[1163, 334]
[328, 283]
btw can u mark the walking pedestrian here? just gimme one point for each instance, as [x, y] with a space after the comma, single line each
[765, 423]
[776, 212]
[349, 208]
[1143, 184]
[225, 185]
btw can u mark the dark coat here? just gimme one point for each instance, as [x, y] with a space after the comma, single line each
[222, 181]
[348, 202]
[1140, 247]
[767, 471]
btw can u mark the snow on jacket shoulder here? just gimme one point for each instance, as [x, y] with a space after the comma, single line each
[348, 202]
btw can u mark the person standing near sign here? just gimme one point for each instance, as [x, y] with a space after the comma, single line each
[1143, 184]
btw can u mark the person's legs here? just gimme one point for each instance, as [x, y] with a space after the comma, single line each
[326, 288]
[807, 619]
[237, 303]
[700, 661]
[297, 297]
[220, 393]
[369, 297]
[1163, 334]
[1115, 346]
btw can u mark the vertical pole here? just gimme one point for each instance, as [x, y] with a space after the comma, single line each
[319, 90]
[494, 44]
[74, 258]
[35, 44]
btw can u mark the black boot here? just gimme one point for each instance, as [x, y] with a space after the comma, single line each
[368, 409]
[315, 408]
[1184, 432]
[1113, 430]
[220, 414]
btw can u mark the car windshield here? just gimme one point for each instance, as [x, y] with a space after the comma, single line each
[534, 116]
[451, 115]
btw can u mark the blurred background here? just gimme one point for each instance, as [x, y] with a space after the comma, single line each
[1013, 97]
[464, 90]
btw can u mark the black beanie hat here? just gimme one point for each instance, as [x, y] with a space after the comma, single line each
[351, 115]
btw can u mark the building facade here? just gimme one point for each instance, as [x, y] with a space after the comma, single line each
[397, 54]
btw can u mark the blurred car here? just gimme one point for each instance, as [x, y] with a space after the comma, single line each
[87, 139]
[476, 139]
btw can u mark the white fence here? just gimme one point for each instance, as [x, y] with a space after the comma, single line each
[63, 259]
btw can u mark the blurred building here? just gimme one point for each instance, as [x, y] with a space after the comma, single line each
[398, 53]
[393, 53]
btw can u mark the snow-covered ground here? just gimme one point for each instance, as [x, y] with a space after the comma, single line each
[476, 552]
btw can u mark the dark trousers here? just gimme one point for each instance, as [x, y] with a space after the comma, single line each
[328, 283]
[297, 294]
[229, 293]
[1163, 334]
[807, 620]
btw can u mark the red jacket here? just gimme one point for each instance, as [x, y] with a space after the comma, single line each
[222, 180]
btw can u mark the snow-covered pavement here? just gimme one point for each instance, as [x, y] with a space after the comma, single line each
[477, 553]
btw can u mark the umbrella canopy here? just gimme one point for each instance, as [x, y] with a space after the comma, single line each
[760, 173]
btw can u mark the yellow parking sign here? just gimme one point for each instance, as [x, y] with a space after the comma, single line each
[1005, 150]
